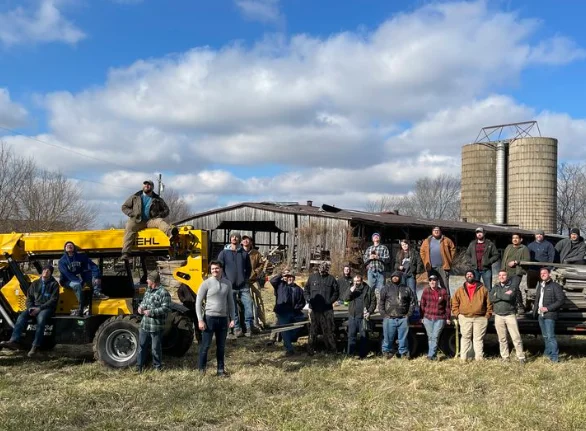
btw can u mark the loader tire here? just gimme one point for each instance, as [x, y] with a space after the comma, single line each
[179, 338]
[447, 342]
[116, 342]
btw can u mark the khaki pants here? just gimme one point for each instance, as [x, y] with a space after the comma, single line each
[504, 324]
[473, 330]
[132, 228]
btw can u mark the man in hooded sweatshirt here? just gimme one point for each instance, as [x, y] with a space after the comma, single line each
[41, 302]
[472, 307]
[321, 291]
[573, 249]
[397, 302]
[362, 302]
[288, 305]
[77, 270]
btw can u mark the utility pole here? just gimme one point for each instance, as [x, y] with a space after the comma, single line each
[161, 186]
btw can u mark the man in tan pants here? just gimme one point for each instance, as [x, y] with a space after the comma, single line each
[503, 297]
[472, 307]
[145, 209]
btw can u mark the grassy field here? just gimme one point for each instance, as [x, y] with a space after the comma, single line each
[66, 390]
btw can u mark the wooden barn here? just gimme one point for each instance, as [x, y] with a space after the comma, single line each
[307, 234]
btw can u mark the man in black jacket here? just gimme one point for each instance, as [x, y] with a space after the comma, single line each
[41, 301]
[482, 254]
[572, 250]
[345, 281]
[288, 306]
[396, 306]
[362, 302]
[321, 291]
[549, 299]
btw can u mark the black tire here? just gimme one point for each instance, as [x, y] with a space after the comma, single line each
[447, 342]
[116, 342]
[413, 343]
[179, 337]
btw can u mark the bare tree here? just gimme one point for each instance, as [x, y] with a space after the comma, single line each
[13, 174]
[179, 209]
[120, 224]
[432, 198]
[571, 196]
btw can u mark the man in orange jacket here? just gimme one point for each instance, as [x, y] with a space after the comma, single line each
[437, 254]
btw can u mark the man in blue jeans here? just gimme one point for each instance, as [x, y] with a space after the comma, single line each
[376, 257]
[482, 254]
[396, 306]
[288, 306]
[217, 316]
[237, 268]
[549, 298]
[362, 303]
[435, 313]
[154, 307]
[41, 301]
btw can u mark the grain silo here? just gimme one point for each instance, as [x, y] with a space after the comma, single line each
[478, 184]
[532, 183]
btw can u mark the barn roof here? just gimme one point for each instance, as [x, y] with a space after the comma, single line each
[382, 218]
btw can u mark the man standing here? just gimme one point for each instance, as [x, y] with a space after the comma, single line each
[217, 316]
[41, 301]
[503, 297]
[144, 209]
[77, 270]
[548, 301]
[572, 249]
[362, 303]
[153, 308]
[376, 257]
[435, 313]
[481, 254]
[437, 253]
[345, 282]
[472, 307]
[513, 255]
[540, 250]
[321, 291]
[256, 264]
[396, 306]
[237, 269]
[409, 263]
[288, 306]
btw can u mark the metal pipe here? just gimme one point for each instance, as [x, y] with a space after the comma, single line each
[501, 186]
[6, 316]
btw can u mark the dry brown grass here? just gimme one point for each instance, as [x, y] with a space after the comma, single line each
[267, 391]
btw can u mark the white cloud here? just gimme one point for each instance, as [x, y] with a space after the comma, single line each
[40, 22]
[345, 117]
[265, 11]
[11, 114]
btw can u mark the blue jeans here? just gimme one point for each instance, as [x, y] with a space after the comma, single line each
[548, 333]
[218, 326]
[153, 340]
[246, 298]
[356, 326]
[409, 281]
[376, 279]
[289, 336]
[21, 322]
[391, 327]
[486, 275]
[434, 330]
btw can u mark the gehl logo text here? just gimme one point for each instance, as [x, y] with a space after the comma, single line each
[146, 241]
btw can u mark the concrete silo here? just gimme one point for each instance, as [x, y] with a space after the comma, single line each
[532, 183]
[478, 184]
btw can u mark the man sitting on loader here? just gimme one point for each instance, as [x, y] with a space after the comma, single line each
[41, 301]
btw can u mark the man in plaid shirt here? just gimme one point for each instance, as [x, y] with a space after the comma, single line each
[376, 257]
[435, 312]
[154, 307]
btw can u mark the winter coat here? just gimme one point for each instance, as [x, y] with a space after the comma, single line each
[520, 253]
[256, 265]
[237, 267]
[43, 295]
[415, 263]
[396, 300]
[132, 207]
[447, 249]
[504, 304]
[554, 298]
[478, 306]
[543, 251]
[321, 291]
[490, 255]
[571, 251]
[289, 297]
[362, 297]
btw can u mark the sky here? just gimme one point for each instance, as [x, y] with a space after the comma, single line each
[280, 100]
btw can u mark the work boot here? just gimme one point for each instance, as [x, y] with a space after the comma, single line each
[223, 374]
[254, 330]
[10, 345]
[32, 352]
[99, 295]
[238, 333]
[522, 361]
